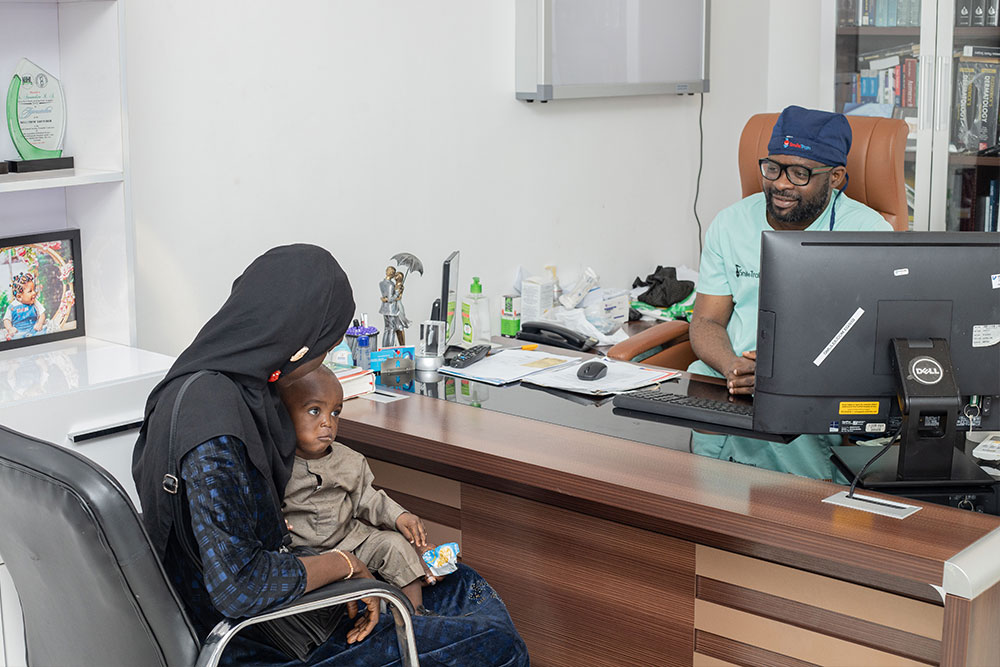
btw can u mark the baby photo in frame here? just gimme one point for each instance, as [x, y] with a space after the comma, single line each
[41, 288]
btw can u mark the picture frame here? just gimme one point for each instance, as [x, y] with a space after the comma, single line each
[41, 288]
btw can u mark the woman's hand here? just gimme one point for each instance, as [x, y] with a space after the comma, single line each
[412, 529]
[365, 623]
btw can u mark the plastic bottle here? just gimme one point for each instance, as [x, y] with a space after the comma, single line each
[364, 353]
[476, 315]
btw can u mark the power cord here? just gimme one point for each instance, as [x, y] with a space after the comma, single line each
[864, 468]
[701, 163]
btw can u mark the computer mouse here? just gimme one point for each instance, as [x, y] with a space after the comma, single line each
[592, 370]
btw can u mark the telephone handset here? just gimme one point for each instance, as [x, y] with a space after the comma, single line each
[550, 333]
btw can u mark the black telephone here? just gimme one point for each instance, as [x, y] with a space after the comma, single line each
[550, 333]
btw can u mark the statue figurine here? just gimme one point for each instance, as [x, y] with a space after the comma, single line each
[389, 308]
[391, 290]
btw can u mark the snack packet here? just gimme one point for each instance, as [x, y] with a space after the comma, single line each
[442, 559]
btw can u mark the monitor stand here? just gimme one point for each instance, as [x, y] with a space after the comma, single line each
[927, 455]
[882, 475]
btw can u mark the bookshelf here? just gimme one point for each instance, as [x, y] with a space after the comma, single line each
[81, 43]
[906, 58]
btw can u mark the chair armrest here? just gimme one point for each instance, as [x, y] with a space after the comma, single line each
[338, 592]
[664, 334]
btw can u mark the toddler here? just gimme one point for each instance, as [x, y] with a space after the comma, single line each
[329, 501]
[26, 316]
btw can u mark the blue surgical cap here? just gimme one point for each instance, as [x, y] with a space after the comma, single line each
[818, 135]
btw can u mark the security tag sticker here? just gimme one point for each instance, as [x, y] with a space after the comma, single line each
[848, 325]
[848, 426]
[995, 279]
[875, 428]
[984, 335]
[858, 407]
[963, 421]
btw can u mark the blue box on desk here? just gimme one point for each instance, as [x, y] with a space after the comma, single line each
[392, 360]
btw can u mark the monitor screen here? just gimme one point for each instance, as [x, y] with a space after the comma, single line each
[830, 303]
[449, 294]
[41, 288]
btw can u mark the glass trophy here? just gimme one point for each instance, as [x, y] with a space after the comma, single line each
[36, 119]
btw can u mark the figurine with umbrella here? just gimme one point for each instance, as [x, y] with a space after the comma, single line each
[391, 289]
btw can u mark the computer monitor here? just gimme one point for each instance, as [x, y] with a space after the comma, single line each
[449, 295]
[831, 306]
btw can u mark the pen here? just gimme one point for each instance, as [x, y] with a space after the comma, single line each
[530, 346]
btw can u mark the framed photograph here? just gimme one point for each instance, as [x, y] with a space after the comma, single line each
[41, 288]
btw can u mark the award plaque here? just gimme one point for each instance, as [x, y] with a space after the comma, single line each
[36, 119]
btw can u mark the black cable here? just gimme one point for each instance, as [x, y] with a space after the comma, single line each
[701, 163]
[864, 468]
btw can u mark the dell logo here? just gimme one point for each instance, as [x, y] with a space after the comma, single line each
[926, 370]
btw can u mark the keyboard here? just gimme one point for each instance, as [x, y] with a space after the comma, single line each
[693, 408]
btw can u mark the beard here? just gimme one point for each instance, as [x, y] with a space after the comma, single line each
[807, 209]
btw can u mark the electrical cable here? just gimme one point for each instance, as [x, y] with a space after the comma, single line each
[701, 163]
[864, 468]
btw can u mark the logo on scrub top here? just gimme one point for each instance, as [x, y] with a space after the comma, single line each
[791, 144]
[926, 370]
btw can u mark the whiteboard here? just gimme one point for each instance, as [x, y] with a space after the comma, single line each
[599, 48]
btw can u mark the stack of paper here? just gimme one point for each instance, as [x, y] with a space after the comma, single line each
[621, 376]
[509, 366]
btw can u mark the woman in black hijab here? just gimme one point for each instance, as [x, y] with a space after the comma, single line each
[234, 445]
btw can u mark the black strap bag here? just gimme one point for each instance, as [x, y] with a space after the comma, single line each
[296, 636]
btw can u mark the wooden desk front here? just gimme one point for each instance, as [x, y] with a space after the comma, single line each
[613, 552]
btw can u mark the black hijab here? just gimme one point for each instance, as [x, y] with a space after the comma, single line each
[290, 298]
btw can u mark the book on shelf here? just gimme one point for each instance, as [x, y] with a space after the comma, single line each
[908, 49]
[974, 126]
[879, 13]
[992, 205]
[963, 13]
[977, 51]
[992, 12]
[967, 201]
[978, 12]
[355, 381]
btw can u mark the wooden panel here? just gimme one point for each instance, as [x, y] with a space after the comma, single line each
[582, 591]
[426, 509]
[736, 508]
[432, 487]
[972, 630]
[884, 609]
[439, 534]
[738, 653]
[702, 660]
[788, 640]
[820, 620]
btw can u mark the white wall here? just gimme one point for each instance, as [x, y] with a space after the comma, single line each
[378, 127]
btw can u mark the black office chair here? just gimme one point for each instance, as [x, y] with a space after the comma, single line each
[92, 590]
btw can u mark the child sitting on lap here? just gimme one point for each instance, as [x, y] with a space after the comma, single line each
[329, 500]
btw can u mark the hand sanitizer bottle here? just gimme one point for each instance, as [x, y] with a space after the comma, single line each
[476, 315]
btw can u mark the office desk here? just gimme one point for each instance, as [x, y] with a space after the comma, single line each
[609, 551]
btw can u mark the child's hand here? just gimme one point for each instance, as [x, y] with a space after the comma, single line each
[412, 529]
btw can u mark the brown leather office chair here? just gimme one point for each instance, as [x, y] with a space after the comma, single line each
[875, 171]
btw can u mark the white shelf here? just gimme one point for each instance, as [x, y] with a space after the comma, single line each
[57, 178]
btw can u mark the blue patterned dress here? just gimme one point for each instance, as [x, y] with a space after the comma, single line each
[238, 531]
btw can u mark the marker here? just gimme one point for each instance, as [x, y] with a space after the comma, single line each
[531, 346]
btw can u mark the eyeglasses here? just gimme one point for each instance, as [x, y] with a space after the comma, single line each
[797, 174]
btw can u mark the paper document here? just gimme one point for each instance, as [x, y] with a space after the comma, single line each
[621, 376]
[509, 366]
